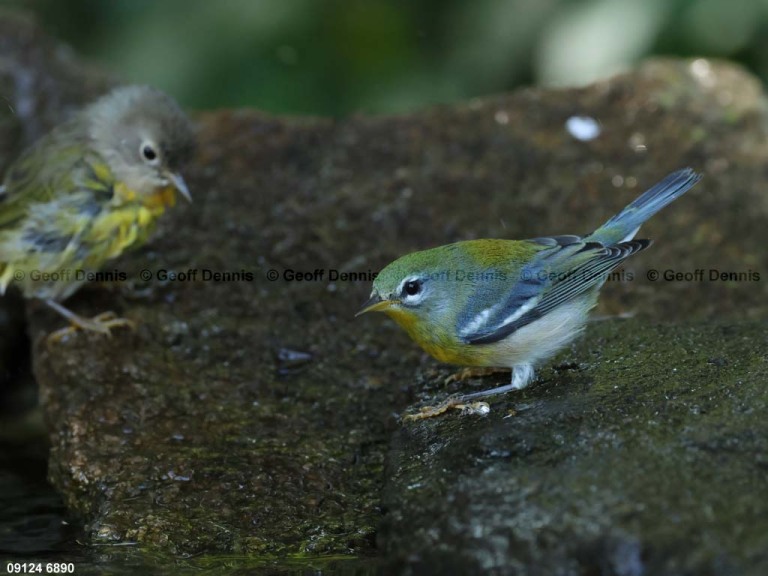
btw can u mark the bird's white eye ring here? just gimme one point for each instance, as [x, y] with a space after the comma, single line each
[149, 152]
[411, 291]
[412, 288]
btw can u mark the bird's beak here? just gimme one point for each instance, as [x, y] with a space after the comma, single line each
[180, 185]
[374, 304]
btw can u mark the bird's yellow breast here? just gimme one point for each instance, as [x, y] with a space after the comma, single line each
[128, 221]
[158, 201]
[440, 344]
[162, 199]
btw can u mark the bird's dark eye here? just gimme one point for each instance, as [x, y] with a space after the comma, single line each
[148, 152]
[412, 287]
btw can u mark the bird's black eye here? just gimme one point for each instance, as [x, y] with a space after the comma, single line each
[412, 287]
[148, 152]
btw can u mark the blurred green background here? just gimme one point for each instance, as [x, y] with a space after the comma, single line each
[338, 57]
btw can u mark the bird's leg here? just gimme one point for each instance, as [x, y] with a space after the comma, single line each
[103, 323]
[522, 375]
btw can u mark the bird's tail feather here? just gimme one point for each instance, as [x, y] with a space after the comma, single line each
[624, 225]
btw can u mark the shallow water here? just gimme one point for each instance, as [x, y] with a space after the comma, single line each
[33, 523]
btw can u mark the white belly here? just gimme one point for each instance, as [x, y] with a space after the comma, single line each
[544, 337]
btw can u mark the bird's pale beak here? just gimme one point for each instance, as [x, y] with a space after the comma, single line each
[180, 185]
[374, 304]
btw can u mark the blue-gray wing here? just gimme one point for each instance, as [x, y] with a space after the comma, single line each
[552, 278]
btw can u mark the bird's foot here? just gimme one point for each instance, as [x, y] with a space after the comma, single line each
[102, 323]
[522, 374]
[452, 403]
[474, 372]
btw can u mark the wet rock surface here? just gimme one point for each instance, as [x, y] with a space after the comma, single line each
[253, 415]
[638, 452]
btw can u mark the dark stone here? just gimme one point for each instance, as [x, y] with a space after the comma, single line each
[648, 461]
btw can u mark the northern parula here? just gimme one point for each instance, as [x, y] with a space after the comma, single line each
[88, 190]
[512, 303]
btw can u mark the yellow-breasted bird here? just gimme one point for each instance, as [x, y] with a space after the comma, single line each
[88, 190]
[512, 303]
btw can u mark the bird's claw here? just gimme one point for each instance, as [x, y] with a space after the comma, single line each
[102, 323]
[452, 403]
[473, 372]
